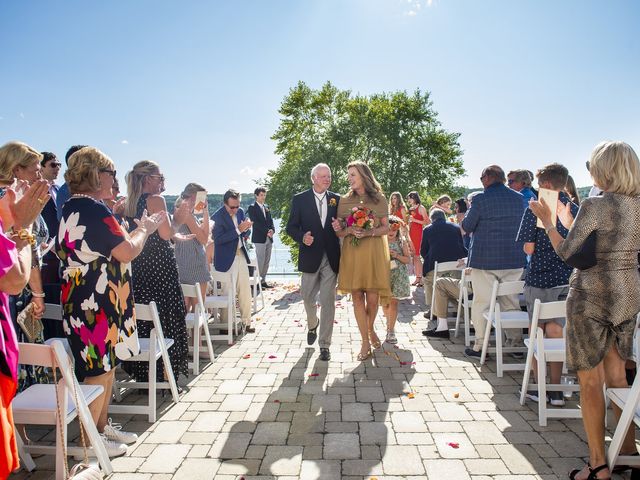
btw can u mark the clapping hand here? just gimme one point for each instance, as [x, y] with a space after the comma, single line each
[564, 214]
[23, 212]
[245, 225]
[151, 222]
[180, 213]
[118, 207]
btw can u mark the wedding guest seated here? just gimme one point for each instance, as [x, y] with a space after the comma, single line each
[441, 242]
[547, 276]
[447, 291]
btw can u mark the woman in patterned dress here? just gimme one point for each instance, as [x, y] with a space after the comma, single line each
[155, 271]
[603, 300]
[97, 304]
[364, 267]
[191, 257]
[400, 288]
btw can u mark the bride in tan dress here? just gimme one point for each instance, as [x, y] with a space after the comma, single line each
[364, 268]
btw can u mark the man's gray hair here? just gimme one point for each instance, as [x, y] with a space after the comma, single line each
[437, 214]
[314, 170]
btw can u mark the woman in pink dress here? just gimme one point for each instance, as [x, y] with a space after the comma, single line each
[418, 219]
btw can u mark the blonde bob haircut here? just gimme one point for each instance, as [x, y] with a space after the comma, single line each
[83, 170]
[615, 168]
[372, 188]
[14, 155]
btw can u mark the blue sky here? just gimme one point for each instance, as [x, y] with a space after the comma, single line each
[196, 85]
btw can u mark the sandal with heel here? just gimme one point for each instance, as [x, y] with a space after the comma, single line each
[593, 472]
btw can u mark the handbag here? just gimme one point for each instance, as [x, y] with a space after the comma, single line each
[30, 324]
[83, 470]
[585, 257]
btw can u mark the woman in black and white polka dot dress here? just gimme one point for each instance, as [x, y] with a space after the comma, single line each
[155, 272]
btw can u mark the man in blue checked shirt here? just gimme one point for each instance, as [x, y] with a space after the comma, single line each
[493, 220]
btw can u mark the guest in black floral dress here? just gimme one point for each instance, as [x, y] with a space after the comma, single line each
[155, 272]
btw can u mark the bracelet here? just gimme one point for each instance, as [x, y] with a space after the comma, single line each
[548, 229]
[23, 234]
[37, 295]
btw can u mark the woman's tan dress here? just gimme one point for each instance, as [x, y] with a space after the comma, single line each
[603, 301]
[365, 266]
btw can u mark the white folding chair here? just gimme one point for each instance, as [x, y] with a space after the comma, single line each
[151, 350]
[255, 282]
[516, 319]
[438, 269]
[464, 308]
[223, 298]
[628, 400]
[546, 350]
[53, 311]
[197, 320]
[37, 405]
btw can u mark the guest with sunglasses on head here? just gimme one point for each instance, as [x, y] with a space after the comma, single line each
[155, 271]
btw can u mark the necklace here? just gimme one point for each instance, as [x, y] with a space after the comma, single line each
[82, 195]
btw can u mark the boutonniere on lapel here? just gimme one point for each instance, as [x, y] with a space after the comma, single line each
[332, 202]
[266, 209]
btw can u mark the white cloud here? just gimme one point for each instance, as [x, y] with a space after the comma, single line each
[125, 142]
[411, 13]
[234, 184]
[250, 171]
[416, 5]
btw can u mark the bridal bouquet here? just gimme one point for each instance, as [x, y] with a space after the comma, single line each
[361, 217]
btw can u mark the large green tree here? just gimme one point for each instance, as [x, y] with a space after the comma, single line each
[398, 134]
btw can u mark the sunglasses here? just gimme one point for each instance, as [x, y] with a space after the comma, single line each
[233, 208]
[510, 181]
[55, 164]
[111, 172]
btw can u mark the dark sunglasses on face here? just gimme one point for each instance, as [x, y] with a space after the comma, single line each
[510, 181]
[55, 164]
[233, 208]
[111, 172]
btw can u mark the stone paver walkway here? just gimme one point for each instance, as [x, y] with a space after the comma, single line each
[268, 408]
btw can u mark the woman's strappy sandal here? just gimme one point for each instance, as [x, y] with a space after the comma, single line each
[593, 472]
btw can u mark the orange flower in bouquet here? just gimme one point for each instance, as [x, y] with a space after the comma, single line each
[361, 217]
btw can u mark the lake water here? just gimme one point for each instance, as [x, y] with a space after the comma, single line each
[280, 259]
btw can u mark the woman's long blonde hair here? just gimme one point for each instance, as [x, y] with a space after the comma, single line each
[135, 184]
[399, 203]
[372, 188]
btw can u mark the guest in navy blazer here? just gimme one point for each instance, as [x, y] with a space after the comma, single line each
[230, 231]
[441, 242]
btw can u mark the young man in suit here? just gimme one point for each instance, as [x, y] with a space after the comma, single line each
[262, 232]
[319, 257]
[230, 230]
